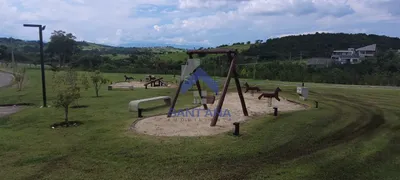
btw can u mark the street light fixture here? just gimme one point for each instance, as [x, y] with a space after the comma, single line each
[41, 28]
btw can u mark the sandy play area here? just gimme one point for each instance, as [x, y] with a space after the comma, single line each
[196, 122]
[137, 84]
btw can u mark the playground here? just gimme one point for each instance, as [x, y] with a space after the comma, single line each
[238, 106]
[196, 122]
[353, 134]
[147, 82]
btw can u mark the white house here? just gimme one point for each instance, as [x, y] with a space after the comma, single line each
[353, 56]
[367, 51]
[346, 56]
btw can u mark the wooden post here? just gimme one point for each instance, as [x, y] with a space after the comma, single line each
[201, 97]
[239, 90]
[140, 113]
[236, 131]
[171, 109]
[275, 111]
[221, 100]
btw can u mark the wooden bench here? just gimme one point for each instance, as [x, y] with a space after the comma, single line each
[134, 105]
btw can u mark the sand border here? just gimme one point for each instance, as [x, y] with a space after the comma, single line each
[134, 128]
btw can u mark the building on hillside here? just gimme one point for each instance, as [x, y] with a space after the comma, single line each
[319, 62]
[367, 51]
[353, 56]
[349, 56]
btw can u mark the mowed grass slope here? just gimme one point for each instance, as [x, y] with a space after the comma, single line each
[353, 135]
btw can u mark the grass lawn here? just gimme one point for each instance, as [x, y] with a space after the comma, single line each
[353, 135]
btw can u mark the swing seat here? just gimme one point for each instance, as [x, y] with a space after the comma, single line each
[210, 99]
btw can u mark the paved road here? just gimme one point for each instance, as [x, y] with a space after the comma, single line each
[6, 79]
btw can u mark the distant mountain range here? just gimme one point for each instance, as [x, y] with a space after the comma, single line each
[23, 44]
[150, 44]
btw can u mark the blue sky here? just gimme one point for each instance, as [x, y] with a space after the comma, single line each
[196, 22]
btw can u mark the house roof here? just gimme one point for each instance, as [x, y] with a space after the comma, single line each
[371, 47]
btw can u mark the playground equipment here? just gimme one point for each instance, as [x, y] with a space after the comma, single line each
[197, 74]
[128, 78]
[270, 95]
[150, 78]
[251, 88]
[134, 105]
[232, 72]
[156, 83]
[203, 98]
[302, 92]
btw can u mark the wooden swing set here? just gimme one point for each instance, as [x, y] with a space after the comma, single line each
[232, 54]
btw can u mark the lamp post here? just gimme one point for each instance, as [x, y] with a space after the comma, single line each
[41, 28]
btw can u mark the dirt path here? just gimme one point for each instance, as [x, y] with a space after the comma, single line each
[196, 122]
[6, 79]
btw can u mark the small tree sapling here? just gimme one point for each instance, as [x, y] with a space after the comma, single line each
[98, 80]
[67, 90]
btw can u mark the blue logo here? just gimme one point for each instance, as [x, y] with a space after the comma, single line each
[195, 113]
[199, 74]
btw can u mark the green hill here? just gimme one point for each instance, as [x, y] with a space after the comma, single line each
[33, 46]
[318, 45]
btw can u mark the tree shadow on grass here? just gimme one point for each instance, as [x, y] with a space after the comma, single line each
[79, 106]
[17, 104]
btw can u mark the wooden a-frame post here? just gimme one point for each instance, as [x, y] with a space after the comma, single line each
[232, 71]
[171, 110]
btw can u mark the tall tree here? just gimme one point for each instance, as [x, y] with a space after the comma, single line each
[62, 45]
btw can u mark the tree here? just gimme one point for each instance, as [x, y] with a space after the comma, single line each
[19, 75]
[67, 90]
[62, 45]
[85, 81]
[244, 73]
[98, 80]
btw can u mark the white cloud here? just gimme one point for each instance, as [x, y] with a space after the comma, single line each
[191, 4]
[194, 21]
[156, 27]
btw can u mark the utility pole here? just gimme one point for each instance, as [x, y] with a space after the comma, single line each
[41, 28]
[13, 64]
[290, 56]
